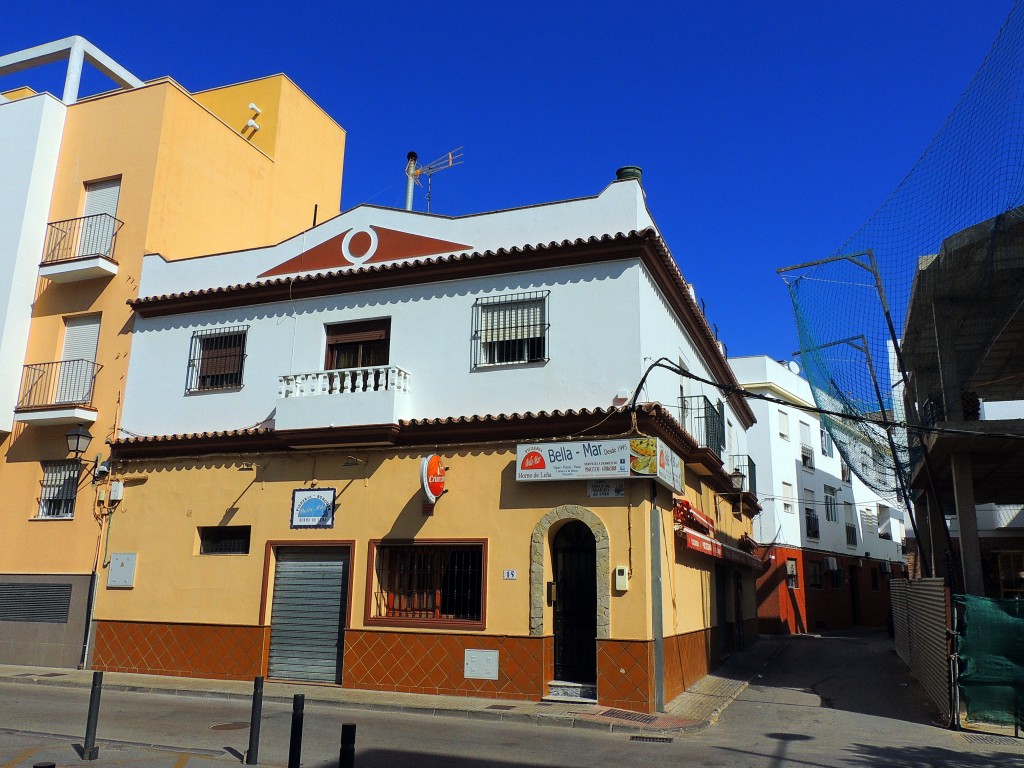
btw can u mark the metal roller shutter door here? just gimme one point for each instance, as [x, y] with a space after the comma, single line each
[307, 614]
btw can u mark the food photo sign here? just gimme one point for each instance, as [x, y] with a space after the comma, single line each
[646, 457]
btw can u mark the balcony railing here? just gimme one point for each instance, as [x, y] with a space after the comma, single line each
[376, 394]
[703, 421]
[376, 378]
[745, 464]
[59, 384]
[851, 535]
[84, 238]
[811, 519]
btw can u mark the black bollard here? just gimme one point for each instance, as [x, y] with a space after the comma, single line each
[252, 754]
[347, 756]
[90, 751]
[295, 745]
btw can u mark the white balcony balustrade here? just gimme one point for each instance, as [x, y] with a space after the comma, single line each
[346, 397]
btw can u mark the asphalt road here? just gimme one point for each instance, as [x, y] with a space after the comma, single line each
[831, 701]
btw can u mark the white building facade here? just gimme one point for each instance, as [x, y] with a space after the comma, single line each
[824, 530]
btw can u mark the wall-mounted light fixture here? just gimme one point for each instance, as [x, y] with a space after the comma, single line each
[78, 443]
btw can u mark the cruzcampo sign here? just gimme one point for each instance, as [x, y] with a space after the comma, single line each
[640, 457]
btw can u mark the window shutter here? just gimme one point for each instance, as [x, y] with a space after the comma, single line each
[97, 234]
[221, 354]
[101, 197]
[81, 336]
[353, 333]
[512, 321]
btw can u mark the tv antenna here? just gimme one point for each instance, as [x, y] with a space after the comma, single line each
[414, 171]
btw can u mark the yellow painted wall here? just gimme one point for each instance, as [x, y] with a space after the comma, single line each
[18, 93]
[165, 502]
[689, 589]
[190, 184]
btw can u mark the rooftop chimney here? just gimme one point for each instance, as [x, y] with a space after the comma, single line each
[629, 172]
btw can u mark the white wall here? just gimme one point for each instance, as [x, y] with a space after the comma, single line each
[30, 136]
[593, 350]
[779, 460]
[619, 208]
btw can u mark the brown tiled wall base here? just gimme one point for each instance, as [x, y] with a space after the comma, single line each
[686, 660]
[182, 650]
[418, 662]
[625, 674]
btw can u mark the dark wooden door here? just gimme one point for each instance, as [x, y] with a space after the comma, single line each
[575, 604]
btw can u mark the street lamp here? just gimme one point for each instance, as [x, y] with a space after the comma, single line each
[78, 440]
[737, 479]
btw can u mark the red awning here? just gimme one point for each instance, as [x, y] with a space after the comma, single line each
[714, 548]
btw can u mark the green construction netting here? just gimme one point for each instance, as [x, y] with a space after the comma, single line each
[969, 179]
[991, 652]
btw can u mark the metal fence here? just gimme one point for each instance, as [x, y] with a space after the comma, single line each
[920, 611]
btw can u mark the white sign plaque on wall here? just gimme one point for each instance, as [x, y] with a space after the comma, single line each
[313, 508]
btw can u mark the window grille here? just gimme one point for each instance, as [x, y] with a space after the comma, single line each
[814, 574]
[811, 519]
[837, 579]
[851, 525]
[59, 488]
[844, 471]
[216, 359]
[510, 329]
[429, 582]
[831, 508]
[224, 540]
[792, 578]
[807, 456]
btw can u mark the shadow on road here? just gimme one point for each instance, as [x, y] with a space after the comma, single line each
[930, 757]
[856, 671]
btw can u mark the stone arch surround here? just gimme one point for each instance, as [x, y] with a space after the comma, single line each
[538, 551]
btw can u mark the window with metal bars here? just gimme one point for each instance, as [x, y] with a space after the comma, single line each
[814, 574]
[59, 488]
[831, 507]
[224, 539]
[216, 359]
[432, 583]
[811, 515]
[510, 329]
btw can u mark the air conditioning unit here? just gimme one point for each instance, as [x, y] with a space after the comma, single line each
[831, 564]
[886, 567]
[791, 567]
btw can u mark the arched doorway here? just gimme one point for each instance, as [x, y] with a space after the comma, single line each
[574, 561]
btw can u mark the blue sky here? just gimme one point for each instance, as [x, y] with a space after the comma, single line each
[768, 132]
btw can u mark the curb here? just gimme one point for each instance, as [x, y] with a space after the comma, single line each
[538, 719]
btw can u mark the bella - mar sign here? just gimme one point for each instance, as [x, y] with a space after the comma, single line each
[593, 459]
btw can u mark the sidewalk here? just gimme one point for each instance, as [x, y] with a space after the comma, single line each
[693, 710]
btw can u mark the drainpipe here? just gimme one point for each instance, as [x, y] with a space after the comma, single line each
[657, 624]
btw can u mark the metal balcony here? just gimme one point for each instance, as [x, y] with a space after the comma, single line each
[705, 424]
[746, 465]
[376, 394]
[80, 249]
[57, 393]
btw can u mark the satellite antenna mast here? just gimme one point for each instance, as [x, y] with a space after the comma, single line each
[413, 172]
